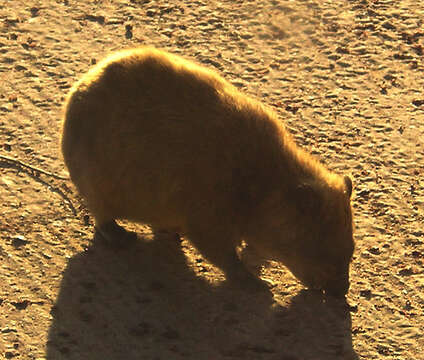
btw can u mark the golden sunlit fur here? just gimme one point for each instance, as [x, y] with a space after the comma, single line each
[156, 139]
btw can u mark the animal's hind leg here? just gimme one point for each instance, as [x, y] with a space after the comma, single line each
[113, 234]
[102, 203]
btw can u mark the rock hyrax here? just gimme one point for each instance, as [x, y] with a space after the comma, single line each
[156, 139]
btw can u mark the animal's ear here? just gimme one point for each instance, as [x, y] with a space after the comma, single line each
[307, 198]
[348, 184]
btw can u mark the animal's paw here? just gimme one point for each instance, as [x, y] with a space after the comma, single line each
[115, 236]
[245, 280]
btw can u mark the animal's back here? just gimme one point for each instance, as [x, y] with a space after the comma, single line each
[147, 130]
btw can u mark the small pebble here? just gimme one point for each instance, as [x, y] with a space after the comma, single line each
[128, 31]
[19, 241]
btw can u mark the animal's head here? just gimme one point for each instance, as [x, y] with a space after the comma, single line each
[312, 234]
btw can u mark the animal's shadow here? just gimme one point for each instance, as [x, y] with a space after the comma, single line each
[144, 302]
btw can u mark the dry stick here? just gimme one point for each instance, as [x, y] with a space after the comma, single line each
[25, 167]
[57, 191]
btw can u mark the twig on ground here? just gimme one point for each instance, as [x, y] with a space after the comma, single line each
[34, 172]
[21, 164]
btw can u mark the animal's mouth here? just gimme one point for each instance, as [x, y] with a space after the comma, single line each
[338, 287]
[329, 280]
[312, 284]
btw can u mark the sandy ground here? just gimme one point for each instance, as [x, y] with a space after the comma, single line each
[347, 78]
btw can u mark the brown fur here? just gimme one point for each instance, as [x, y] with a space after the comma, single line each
[153, 138]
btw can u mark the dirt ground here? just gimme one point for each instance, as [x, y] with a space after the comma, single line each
[347, 78]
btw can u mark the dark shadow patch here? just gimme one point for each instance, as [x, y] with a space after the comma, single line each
[144, 302]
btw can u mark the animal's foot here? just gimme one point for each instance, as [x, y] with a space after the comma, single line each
[115, 235]
[243, 279]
